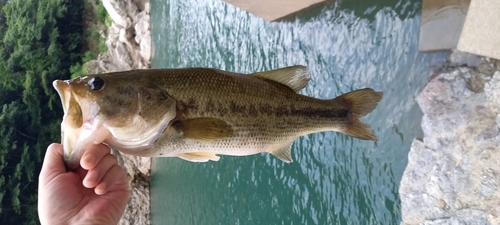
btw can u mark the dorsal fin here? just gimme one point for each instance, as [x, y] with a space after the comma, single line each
[295, 77]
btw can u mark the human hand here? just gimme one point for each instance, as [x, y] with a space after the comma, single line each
[96, 193]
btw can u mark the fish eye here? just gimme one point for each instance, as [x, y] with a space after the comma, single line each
[96, 83]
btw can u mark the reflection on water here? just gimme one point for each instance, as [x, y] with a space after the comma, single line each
[334, 179]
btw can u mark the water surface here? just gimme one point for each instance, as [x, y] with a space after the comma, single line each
[334, 179]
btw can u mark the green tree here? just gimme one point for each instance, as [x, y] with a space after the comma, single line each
[39, 41]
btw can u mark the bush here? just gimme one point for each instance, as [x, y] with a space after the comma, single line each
[88, 57]
[102, 45]
[101, 13]
[78, 70]
[109, 21]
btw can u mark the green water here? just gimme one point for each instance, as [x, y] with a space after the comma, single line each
[334, 179]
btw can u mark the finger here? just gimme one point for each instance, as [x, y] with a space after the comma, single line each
[95, 175]
[115, 176]
[53, 163]
[93, 156]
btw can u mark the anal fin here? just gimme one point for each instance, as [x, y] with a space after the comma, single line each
[199, 156]
[284, 153]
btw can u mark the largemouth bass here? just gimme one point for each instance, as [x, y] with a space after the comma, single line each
[199, 113]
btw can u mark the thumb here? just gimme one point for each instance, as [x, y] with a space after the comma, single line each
[53, 163]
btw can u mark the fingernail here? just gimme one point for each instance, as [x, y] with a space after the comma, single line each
[90, 160]
[102, 188]
[91, 179]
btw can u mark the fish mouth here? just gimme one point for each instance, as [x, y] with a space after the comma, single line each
[72, 119]
[76, 125]
[73, 115]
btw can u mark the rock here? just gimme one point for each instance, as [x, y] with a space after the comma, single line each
[122, 57]
[441, 93]
[466, 216]
[492, 90]
[416, 206]
[128, 38]
[459, 58]
[147, 7]
[453, 175]
[120, 11]
[138, 171]
[143, 35]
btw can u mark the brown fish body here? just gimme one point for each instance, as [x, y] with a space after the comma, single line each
[263, 115]
[204, 112]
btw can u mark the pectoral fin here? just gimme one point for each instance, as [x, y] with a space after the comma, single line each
[204, 129]
[199, 156]
[295, 77]
[284, 153]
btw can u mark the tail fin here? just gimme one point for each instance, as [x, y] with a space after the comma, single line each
[360, 103]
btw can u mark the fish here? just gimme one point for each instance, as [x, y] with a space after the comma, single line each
[198, 114]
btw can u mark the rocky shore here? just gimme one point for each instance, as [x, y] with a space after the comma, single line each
[128, 40]
[453, 173]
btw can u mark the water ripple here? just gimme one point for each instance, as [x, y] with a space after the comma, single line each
[335, 179]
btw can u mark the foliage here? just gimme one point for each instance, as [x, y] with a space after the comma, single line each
[109, 21]
[101, 13]
[88, 56]
[39, 41]
[93, 40]
[102, 45]
[78, 70]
